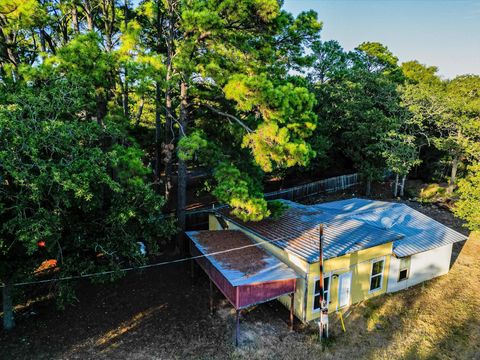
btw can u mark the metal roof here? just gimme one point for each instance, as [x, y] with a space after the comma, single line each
[421, 233]
[351, 225]
[267, 267]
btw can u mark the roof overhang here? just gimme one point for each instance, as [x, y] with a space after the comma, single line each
[244, 283]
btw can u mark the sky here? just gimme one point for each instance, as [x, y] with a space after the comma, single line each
[444, 33]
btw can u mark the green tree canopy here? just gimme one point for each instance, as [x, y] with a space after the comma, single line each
[468, 205]
[70, 190]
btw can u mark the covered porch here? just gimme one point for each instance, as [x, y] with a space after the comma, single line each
[245, 273]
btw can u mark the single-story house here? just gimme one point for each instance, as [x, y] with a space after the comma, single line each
[370, 248]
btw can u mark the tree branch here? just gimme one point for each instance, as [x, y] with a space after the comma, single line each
[234, 118]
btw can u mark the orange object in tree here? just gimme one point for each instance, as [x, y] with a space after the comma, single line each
[46, 265]
[41, 244]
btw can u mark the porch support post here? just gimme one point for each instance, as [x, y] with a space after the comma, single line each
[237, 327]
[292, 300]
[211, 296]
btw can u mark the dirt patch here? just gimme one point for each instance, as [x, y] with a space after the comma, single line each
[248, 260]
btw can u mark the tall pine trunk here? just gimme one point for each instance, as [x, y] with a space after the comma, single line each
[89, 15]
[395, 186]
[158, 133]
[125, 100]
[126, 111]
[368, 188]
[138, 116]
[168, 127]
[182, 170]
[108, 9]
[402, 188]
[75, 24]
[8, 318]
[169, 136]
[453, 174]
[101, 107]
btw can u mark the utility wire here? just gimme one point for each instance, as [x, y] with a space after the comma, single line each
[84, 276]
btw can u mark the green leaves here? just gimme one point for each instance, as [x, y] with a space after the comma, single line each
[288, 119]
[267, 10]
[283, 103]
[128, 165]
[240, 192]
[235, 57]
[190, 144]
[272, 147]
[446, 113]
[417, 73]
[467, 206]
[401, 152]
[378, 58]
[68, 183]
[83, 56]
[359, 105]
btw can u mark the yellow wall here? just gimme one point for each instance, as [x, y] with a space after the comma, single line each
[359, 263]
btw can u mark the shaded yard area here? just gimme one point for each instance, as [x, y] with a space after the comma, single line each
[163, 314]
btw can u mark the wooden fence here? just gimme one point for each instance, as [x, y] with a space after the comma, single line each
[314, 188]
[198, 219]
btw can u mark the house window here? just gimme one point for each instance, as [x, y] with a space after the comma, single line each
[403, 275]
[376, 277]
[404, 267]
[326, 292]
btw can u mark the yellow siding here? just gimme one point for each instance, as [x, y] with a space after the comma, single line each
[299, 301]
[360, 264]
[213, 223]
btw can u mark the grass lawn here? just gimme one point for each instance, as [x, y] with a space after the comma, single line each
[163, 314]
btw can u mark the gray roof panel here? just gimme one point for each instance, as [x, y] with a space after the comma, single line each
[351, 225]
[267, 267]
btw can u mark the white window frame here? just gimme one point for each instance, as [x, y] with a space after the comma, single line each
[405, 267]
[380, 274]
[405, 278]
[327, 296]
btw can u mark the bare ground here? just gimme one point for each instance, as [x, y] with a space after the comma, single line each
[163, 314]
